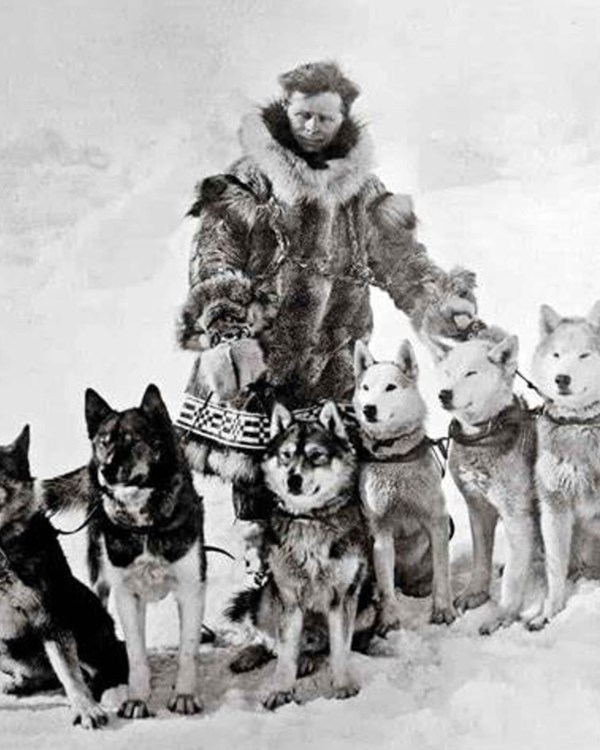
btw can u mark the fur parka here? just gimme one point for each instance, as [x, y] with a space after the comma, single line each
[287, 246]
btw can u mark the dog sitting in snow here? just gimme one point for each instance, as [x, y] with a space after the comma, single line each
[53, 629]
[492, 456]
[400, 487]
[566, 368]
[317, 552]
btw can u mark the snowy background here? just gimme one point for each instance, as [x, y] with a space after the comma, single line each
[111, 110]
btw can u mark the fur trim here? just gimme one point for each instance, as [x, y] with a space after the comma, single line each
[292, 177]
[215, 303]
[275, 118]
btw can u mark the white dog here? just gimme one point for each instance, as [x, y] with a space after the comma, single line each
[400, 486]
[566, 368]
[492, 456]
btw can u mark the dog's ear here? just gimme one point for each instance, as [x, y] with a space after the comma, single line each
[153, 405]
[362, 358]
[406, 360]
[281, 419]
[15, 458]
[331, 419]
[440, 346]
[506, 353]
[594, 315]
[549, 320]
[96, 411]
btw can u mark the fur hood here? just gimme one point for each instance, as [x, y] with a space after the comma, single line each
[334, 178]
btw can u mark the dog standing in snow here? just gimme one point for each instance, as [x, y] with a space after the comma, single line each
[400, 486]
[566, 367]
[492, 456]
[145, 533]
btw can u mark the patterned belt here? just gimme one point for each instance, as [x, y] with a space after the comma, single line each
[237, 429]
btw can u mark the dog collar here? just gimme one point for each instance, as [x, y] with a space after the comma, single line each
[372, 447]
[321, 514]
[593, 421]
[509, 420]
[371, 456]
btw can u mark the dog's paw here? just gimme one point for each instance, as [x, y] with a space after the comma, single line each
[470, 600]
[347, 690]
[251, 657]
[551, 608]
[388, 619]
[278, 698]
[185, 704]
[537, 623]
[501, 620]
[21, 686]
[134, 709]
[308, 664]
[87, 714]
[443, 614]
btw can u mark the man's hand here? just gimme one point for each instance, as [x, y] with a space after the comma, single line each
[229, 368]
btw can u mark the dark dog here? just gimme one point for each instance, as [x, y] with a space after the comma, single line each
[50, 624]
[317, 555]
[145, 534]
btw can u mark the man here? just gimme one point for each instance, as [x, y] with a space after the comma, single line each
[289, 241]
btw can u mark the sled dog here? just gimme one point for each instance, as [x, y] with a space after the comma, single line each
[566, 368]
[492, 457]
[145, 534]
[317, 552]
[53, 630]
[400, 486]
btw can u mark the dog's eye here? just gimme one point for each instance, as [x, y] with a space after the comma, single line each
[471, 372]
[391, 387]
[286, 455]
[585, 355]
[318, 458]
[365, 387]
[556, 355]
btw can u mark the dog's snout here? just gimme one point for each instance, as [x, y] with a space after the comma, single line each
[445, 396]
[370, 412]
[294, 483]
[563, 381]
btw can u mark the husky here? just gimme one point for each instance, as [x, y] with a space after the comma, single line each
[53, 629]
[318, 549]
[566, 368]
[145, 534]
[491, 459]
[400, 486]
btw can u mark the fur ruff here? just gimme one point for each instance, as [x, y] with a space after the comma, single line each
[293, 178]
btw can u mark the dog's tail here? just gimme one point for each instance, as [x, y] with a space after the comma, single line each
[244, 604]
[71, 491]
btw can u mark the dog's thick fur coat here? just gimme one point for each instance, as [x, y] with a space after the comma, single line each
[400, 487]
[567, 370]
[50, 624]
[492, 457]
[145, 534]
[317, 551]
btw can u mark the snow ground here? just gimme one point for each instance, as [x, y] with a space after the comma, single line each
[97, 308]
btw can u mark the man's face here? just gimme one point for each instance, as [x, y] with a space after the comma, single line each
[314, 119]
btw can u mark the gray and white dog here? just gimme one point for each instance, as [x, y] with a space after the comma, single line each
[492, 456]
